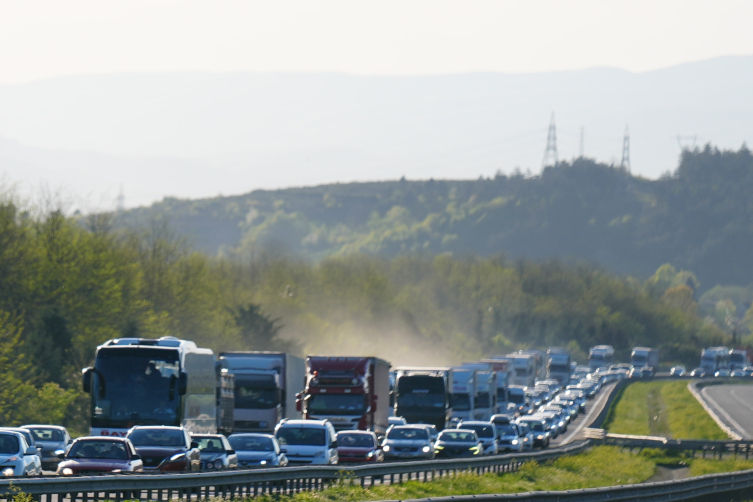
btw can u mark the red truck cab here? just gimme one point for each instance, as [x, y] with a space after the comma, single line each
[351, 392]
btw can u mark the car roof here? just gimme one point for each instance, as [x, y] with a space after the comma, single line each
[207, 435]
[361, 433]
[254, 434]
[469, 431]
[317, 424]
[163, 427]
[45, 426]
[474, 422]
[409, 426]
[103, 438]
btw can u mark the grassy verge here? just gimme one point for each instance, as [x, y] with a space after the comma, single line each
[601, 466]
[661, 409]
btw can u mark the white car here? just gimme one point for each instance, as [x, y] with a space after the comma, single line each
[17, 458]
[307, 441]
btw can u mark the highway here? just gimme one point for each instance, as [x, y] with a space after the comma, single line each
[733, 404]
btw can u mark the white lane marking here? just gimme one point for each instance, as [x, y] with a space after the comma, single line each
[726, 415]
[597, 404]
[741, 401]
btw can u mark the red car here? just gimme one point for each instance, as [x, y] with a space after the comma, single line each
[164, 448]
[358, 446]
[98, 455]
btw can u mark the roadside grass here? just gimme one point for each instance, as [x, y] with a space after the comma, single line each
[701, 466]
[601, 466]
[662, 408]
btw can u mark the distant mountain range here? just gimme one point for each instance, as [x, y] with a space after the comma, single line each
[201, 134]
[698, 219]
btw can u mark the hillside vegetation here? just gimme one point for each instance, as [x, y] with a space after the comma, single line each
[697, 218]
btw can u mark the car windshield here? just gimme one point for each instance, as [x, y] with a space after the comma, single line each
[350, 440]
[157, 437]
[301, 436]
[407, 433]
[209, 444]
[506, 430]
[517, 398]
[536, 426]
[45, 434]
[251, 443]
[457, 437]
[482, 431]
[8, 444]
[111, 450]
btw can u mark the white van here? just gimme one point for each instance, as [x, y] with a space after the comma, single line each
[307, 441]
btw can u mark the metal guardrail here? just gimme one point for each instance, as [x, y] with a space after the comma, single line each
[714, 448]
[249, 483]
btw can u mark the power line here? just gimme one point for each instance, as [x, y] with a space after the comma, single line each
[550, 154]
[625, 164]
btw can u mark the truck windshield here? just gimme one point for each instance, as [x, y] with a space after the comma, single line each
[639, 361]
[420, 401]
[461, 402]
[483, 400]
[135, 386]
[256, 392]
[336, 404]
[517, 398]
[737, 358]
[559, 368]
[521, 372]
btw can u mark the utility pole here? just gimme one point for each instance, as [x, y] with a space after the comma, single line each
[581, 143]
[625, 164]
[550, 154]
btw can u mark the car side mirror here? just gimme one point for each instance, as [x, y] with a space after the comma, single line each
[283, 450]
[70, 441]
[60, 453]
[31, 451]
[231, 452]
[194, 444]
[136, 457]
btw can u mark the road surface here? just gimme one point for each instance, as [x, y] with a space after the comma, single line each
[733, 404]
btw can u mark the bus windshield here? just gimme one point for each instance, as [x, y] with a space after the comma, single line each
[135, 386]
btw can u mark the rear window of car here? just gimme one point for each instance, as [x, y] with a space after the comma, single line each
[45, 434]
[157, 437]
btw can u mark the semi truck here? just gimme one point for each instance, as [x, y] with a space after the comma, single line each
[523, 369]
[600, 356]
[141, 381]
[738, 359]
[423, 395]
[714, 359]
[539, 362]
[485, 404]
[558, 364]
[266, 385]
[353, 393]
[502, 375]
[644, 357]
[463, 394]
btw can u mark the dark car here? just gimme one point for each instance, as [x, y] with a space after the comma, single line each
[99, 455]
[698, 373]
[454, 443]
[50, 439]
[166, 449]
[258, 450]
[216, 452]
[540, 429]
[358, 446]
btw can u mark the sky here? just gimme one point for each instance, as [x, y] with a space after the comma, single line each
[49, 38]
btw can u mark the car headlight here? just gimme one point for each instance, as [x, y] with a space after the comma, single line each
[9, 471]
[540, 436]
[116, 471]
[263, 462]
[386, 448]
[218, 464]
[370, 454]
[426, 449]
[514, 442]
[177, 456]
[66, 471]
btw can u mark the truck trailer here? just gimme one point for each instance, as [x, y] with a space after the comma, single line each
[353, 393]
[558, 365]
[642, 357]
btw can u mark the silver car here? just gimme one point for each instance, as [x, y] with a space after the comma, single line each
[407, 442]
[50, 439]
[508, 438]
[216, 452]
[17, 458]
[486, 432]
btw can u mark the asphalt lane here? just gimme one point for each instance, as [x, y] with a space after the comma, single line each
[734, 406]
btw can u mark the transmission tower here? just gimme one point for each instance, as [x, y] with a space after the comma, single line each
[625, 164]
[550, 154]
[120, 201]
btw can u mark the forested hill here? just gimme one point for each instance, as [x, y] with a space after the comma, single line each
[698, 218]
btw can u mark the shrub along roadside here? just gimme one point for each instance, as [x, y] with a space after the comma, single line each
[600, 466]
[661, 408]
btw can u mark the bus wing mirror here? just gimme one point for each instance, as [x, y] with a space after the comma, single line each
[183, 383]
[86, 375]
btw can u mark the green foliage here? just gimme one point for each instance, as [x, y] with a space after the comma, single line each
[696, 219]
[659, 408]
